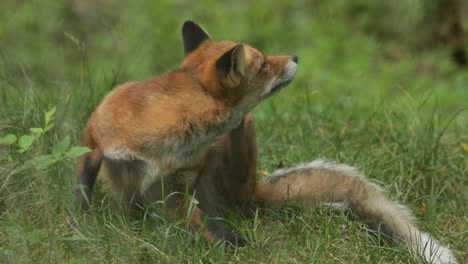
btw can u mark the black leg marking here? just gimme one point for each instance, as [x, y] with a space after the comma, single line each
[86, 181]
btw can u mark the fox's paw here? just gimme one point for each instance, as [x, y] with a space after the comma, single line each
[235, 240]
[220, 233]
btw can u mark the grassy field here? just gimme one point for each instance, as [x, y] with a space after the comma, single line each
[362, 96]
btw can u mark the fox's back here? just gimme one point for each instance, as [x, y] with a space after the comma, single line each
[154, 113]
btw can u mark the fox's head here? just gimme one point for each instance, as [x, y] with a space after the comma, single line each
[235, 73]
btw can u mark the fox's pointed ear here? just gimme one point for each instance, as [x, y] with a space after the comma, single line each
[233, 62]
[193, 36]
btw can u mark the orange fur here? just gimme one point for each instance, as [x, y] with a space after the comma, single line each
[190, 130]
[156, 137]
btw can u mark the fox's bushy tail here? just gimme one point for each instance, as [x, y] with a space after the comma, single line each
[327, 182]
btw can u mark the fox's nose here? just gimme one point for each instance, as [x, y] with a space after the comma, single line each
[295, 58]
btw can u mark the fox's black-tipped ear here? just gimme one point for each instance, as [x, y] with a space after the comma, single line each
[233, 61]
[193, 36]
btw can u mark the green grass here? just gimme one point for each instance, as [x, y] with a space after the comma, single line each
[398, 114]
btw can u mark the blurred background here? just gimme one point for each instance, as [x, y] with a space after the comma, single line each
[367, 48]
[58, 44]
[381, 84]
[70, 53]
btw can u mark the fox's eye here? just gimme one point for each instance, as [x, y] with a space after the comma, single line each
[264, 64]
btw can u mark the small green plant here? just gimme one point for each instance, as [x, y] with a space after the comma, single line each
[24, 143]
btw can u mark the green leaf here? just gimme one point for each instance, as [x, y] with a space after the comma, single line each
[48, 127]
[26, 165]
[77, 151]
[25, 142]
[47, 161]
[42, 158]
[36, 130]
[21, 151]
[44, 161]
[49, 115]
[61, 147]
[8, 139]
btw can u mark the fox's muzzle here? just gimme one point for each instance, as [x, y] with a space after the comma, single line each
[285, 77]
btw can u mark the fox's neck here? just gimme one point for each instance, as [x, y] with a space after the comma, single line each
[203, 119]
[204, 127]
[213, 114]
[228, 116]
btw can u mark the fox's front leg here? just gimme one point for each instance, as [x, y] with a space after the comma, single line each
[243, 152]
[180, 208]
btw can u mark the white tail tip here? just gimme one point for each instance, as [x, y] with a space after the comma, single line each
[433, 251]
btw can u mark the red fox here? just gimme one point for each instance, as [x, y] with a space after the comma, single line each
[190, 130]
